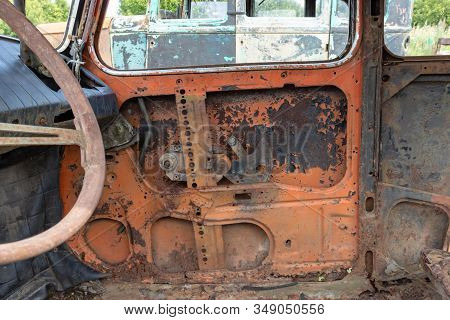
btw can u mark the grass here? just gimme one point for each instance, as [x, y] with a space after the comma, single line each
[424, 39]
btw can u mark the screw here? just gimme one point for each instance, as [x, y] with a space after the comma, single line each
[167, 164]
[232, 141]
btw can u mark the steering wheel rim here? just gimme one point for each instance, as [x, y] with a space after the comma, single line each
[90, 141]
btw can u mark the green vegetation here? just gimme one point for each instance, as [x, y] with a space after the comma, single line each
[132, 7]
[431, 12]
[139, 7]
[41, 11]
[424, 39]
[170, 5]
[431, 19]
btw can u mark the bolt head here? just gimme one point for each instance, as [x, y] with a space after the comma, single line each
[232, 141]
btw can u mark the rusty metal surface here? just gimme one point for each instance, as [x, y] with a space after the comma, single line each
[437, 265]
[195, 137]
[404, 195]
[370, 113]
[149, 42]
[410, 210]
[413, 132]
[306, 121]
[99, 62]
[352, 287]
[302, 221]
[309, 223]
[118, 134]
[414, 195]
[409, 227]
[33, 135]
[296, 201]
[93, 155]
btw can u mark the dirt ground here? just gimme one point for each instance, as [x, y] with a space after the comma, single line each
[352, 287]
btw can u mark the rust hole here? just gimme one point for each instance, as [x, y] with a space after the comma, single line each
[243, 196]
[369, 262]
[370, 204]
[260, 168]
[288, 243]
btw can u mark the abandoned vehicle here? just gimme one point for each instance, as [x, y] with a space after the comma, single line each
[223, 142]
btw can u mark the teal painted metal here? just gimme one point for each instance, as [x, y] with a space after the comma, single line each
[235, 38]
[129, 51]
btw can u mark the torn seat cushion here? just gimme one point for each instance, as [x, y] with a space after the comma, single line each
[30, 204]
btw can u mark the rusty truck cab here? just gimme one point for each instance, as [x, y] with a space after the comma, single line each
[254, 143]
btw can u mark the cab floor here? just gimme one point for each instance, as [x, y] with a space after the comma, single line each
[352, 287]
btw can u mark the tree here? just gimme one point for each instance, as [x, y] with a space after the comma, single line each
[430, 12]
[133, 7]
[41, 11]
[139, 7]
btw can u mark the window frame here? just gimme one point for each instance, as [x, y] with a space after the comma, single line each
[352, 46]
[71, 19]
[405, 57]
[70, 24]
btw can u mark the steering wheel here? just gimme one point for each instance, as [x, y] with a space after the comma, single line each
[86, 135]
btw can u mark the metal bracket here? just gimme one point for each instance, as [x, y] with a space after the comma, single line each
[195, 137]
[197, 151]
[210, 250]
[254, 167]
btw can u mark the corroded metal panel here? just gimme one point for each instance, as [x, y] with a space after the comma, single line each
[190, 49]
[129, 51]
[412, 207]
[300, 209]
[295, 230]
